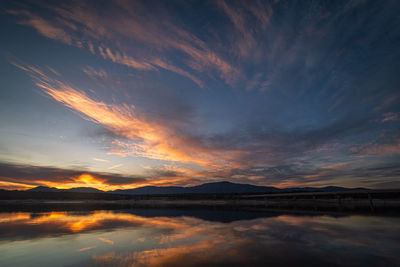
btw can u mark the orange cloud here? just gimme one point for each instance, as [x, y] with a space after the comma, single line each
[379, 149]
[162, 64]
[124, 59]
[149, 138]
[87, 248]
[15, 186]
[106, 241]
[44, 27]
[390, 116]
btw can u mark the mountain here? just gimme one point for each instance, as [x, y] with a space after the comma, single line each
[222, 188]
[76, 189]
[326, 189]
[207, 188]
[153, 190]
[228, 187]
[84, 190]
[44, 189]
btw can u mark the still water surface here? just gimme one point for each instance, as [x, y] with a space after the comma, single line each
[196, 238]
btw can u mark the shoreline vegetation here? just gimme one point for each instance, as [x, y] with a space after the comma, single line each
[372, 201]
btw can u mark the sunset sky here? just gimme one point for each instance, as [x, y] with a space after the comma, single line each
[123, 94]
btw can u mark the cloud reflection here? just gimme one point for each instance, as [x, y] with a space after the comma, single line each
[189, 241]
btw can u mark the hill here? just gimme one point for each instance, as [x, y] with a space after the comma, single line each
[207, 188]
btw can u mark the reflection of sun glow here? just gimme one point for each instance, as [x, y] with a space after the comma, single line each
[176, 241]
[85, 222]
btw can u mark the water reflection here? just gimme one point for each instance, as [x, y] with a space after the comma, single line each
[151, 238]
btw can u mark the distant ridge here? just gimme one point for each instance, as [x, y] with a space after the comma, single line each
[85, 190]
[222, 188]
[44, 189]
[207, 188]
[76, 189]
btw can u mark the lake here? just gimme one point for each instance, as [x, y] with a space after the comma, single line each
[162, 237]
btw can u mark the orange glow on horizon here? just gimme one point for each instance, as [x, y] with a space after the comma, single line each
[89, 180]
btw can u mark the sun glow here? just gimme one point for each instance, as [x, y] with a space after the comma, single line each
[84, 180]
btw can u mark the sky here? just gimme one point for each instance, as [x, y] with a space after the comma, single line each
[122, 94]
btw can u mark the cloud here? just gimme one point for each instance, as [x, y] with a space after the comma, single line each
[236, 155]
[238, 18]
[101, 160]
[382, 149]
[314, 92]
[23, 176]
[110, 242]
[44, 27]
[115, 166]
[30, 175]
[149, 35]
[125, 59]
[390, 116]
[229, 156]
[87, 248]
[91, 72]
[147, 138]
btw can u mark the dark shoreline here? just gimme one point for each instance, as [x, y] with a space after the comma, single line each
[364, 201]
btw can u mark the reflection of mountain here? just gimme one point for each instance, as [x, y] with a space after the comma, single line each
[215, 215]
[176, 238]
[30, 225]
[207, 188]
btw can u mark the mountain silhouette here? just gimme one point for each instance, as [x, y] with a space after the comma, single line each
[76, 189]
[207, 188]
[44, 189]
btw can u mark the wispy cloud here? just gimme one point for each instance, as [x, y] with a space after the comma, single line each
[382, 149]
[87, 248]
[305, 103]
[115, 166]
[222, 156]
[101, 160]
[390, 116]
[108, 241]
[93, 73]
[44, 27]
[81, 26]
[238, 18]
[148, 138]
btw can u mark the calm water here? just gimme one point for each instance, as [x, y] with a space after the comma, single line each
[196, 238]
